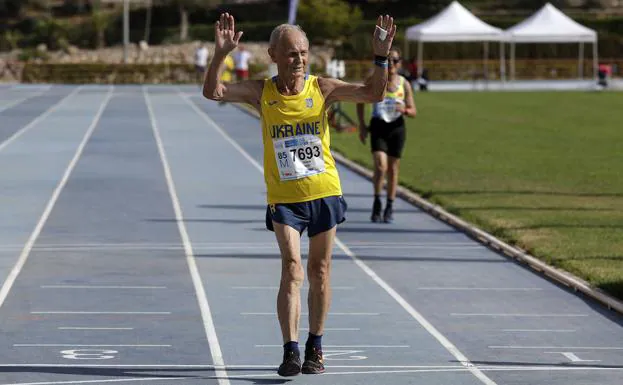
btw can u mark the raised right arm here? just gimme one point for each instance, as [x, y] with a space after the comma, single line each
[226, 40]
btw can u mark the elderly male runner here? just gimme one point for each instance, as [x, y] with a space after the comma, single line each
[303, 185]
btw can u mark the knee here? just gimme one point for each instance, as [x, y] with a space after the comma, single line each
[380, 168]
[394, 167]
[318, 271]
[292, 273]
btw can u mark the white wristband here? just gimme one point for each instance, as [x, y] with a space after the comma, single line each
[382, 33]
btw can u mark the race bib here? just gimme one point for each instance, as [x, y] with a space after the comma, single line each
[299, 157]
[387, 109]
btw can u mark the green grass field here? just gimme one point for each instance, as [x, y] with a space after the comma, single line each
[543, 171]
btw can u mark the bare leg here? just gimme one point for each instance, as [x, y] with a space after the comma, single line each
[292, 275]
[319, 275]
[380, 168]
[392, 176]
[378, 180]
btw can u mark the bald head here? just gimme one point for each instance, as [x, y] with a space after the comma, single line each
[288, 31]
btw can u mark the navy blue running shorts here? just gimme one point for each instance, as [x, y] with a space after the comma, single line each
[317, 216]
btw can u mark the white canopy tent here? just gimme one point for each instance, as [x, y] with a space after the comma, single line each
[550, 25]
[455, 24]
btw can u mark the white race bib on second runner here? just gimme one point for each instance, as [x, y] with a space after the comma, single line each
[299, 156]
[387, 109]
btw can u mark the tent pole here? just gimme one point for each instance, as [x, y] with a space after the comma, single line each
[502, 62]
[581, 61]
[512, 60]
[595, 60]
[485, 70]
[420, 48]
[405, 51]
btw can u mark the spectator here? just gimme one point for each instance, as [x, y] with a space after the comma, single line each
[412, 70]
[201, 62]
[241, 63]
[228, 68]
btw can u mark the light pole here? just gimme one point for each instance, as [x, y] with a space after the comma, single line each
[126, 29]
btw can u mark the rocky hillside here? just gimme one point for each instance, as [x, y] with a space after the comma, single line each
[10, 64]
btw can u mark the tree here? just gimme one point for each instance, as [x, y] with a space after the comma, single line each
[12, 8]
[101, 20]
[328, 19]
[185, 6]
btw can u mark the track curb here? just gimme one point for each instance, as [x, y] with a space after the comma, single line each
[560, 276]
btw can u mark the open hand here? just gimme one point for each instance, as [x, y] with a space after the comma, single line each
[381, 47]
[225, 36]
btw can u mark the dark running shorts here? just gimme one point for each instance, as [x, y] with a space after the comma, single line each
[388, 137]
[317, 216]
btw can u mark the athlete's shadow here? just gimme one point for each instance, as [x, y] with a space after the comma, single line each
[149, 373]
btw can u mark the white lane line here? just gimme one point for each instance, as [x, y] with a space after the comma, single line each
[20, 100]
[91, 345]
[202, 299]
[572, 357]
[444, 370]
[481, 288]
[539, 330]
[518, 367]
[233, 367]
[142, 246]
[178, 245]
[515, 315]
[228, 138]
[44, 115]
[457, 369]
[10, 280]
[99, 287]
[346, 346]
[418, 247]
[381, 243]
[363, 372]
[110, 246]
[568, 348]
[332, 314]
[397, 297]
[26, 87]
[423, 370]
[90, 328]
[450, 347]
[98, 381]
[454, 369]
[100, 312]
[277, 288]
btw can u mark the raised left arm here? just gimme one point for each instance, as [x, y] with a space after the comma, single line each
[373, 88]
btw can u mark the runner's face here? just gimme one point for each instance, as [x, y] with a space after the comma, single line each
[394, 62]
[291, 54]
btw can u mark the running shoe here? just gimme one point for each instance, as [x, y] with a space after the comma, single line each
[376, 211]
[291, 365]
[314, 363]
[388, 215]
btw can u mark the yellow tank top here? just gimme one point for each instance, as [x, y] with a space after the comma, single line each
[298, 165]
